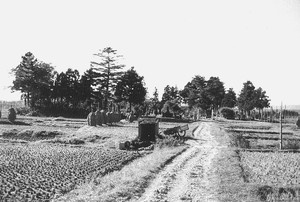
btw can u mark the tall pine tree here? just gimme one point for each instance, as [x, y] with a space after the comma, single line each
[107, 73]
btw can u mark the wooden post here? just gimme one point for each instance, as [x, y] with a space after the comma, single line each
[281, 126]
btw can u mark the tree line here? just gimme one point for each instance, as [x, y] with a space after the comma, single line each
[70, 94]
[210, 95]
[106, 85]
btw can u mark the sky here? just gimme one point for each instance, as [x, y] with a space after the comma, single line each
[167, 41]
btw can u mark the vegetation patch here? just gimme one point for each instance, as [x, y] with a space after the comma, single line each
[239, 141]
[227, 113]
[259, 132]
[251, 126]
[30, 135]
[74, 141]
[169, 141]
[174, 120]
[268, 193]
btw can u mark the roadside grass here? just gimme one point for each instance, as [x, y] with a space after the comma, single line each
[230, 183]
[128, 183]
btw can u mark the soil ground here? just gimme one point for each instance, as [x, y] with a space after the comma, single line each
[187, 177]
[207, 171]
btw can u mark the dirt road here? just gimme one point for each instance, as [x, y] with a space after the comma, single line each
[188, 177]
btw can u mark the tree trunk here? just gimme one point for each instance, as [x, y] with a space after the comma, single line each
[28, 103]
[107, 87]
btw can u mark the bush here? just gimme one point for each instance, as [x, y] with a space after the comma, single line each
[168, 141]
[23, 110]
[227, 113]
[237, 140]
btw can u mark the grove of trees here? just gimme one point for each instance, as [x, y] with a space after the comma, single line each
[70, 94]
[106, 84]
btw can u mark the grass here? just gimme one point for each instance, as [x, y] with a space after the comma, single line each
[259, 136]
[30, 135]
[128, 183]
[74, 141]
[169, 141]
[230, 184]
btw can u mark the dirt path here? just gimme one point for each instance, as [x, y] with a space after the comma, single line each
[188, 177]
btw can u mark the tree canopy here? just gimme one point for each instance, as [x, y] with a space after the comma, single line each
[229, 99]
[195, 93]
[251, 98]
[215, 91]
[107, 72]
[32, 78]
[131, 88]
[69, 92]
[246, 100]
[261, 99]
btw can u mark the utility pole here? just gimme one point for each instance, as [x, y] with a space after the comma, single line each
[281, 126]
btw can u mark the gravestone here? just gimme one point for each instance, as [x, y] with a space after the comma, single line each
[298, 122]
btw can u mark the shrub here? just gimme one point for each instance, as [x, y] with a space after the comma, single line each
[168, 141]
[23, 110]
[239, 141]
[264, 191]
[227, 113]
[12, 115]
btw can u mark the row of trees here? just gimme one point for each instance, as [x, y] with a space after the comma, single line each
[106, 84]
[69, 93]
[210, 95]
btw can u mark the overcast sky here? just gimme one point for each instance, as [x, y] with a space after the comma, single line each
[168, 42]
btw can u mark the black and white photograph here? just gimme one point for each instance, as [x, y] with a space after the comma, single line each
[149, 101]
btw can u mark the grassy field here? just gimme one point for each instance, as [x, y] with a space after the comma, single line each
[272, 174]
